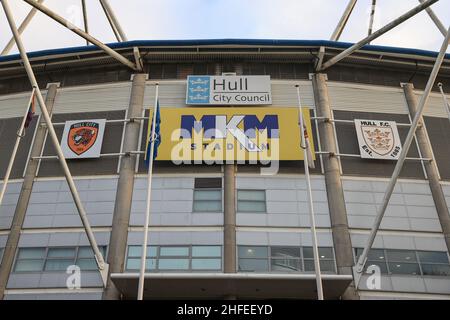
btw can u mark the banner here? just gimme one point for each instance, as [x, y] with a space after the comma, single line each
[228, 90]
[378, 139]
[232, 134]
[83, 138]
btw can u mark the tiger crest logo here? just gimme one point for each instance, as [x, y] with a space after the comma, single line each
[82, 136]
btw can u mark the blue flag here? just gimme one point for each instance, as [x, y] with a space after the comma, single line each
[157, 136]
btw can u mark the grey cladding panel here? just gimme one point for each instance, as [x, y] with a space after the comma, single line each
[439, 133]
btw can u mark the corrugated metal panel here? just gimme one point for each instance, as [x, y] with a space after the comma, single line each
[364, 98]
[109, 97]
[14, 105]
[284, 94]
[435, 106]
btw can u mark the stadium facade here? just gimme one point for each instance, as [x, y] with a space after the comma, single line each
[225, 230]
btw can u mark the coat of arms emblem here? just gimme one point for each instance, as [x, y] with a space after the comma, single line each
[82, 136]
[379, 139]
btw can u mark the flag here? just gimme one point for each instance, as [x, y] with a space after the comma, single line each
[157, 136]
[309, 150]
[31, 112]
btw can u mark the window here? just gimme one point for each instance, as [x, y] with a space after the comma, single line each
[55, 259]
[408, 262]
[283, 259]
[251, 201]
[176, 258]
[208, 195]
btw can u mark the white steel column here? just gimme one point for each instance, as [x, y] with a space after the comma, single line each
[21, 29]
[103, 267]
[435, 19]
[113, 21]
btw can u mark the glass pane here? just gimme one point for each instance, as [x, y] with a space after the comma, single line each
[285, 252]
[87, 264]
[135, 264]
[253, 252]
[207, 206]
[401, 255]
[432, 256]
[206, 264]
[435, 270]
[374, 254]
[324, 253]
[58, 264]
[325, 266]
[61, 253]
[135, 251]
[286, 265]
[404, 268]
[253, 265]
[251, 206]
[29, 265]
[206, 251]
[208, 195]
[173, 264]
[31, 253]
[382, 265]
[173, 251]
[255, 195]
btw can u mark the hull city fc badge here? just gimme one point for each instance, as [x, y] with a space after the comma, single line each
[83, 139]
[82, 136]
[378, 139]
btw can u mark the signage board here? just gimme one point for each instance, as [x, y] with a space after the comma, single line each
[228, 90]
[83, 138]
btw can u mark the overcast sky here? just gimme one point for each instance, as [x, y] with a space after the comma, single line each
[213, 19]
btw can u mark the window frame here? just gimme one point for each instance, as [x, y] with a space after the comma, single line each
[254, 201]
[203, 201]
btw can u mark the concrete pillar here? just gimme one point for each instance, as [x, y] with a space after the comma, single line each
[25, 194]
[229, 230]
[430, 166]
[122, 209]
[335, 193]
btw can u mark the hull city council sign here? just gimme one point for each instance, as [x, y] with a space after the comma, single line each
[83, 138]
[228, 90]
[378, 139]
[219, 134]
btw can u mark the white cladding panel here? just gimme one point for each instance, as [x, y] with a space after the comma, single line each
[15, 105]
[116, 96]
[105, 97]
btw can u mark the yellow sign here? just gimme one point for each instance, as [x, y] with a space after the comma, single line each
[196, 135]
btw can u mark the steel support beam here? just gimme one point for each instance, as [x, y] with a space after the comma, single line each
[85, 18]
[21, 29]
[335, 192]
[436, 20]
[377, 34]
[82, 34]
[113, 21]
[102, 266]
[343, 21]
[229, 230]
[406, 145]
[372, 17]
[430, 166]
[122, 208]
[24, 196]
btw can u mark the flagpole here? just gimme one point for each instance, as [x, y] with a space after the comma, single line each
[149, 194]
[16, 147]
[446, 103]
[310, 199]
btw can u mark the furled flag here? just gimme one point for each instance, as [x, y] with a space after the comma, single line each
[309, 150]
[157, 136]
[31, 111]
